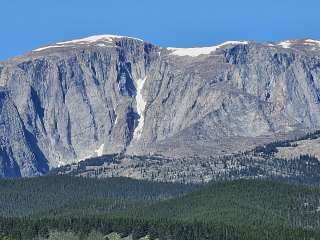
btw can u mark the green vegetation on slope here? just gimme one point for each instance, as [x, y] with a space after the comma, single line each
[242, 209]
[243, 202]
[48, 195]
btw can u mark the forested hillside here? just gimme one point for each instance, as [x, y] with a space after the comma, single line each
[45, 195]
[242, 209]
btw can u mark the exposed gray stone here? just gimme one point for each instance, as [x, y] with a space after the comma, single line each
[70, 101]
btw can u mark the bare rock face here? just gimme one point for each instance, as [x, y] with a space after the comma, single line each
[19, 153]
[108, 94]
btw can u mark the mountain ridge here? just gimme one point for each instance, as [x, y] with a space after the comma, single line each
[85, 99]
[95, 39]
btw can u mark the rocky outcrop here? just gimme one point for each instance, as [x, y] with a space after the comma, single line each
[107, 94]
[19, 152]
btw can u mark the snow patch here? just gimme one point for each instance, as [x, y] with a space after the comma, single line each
[289, 43]
[99, 151]
[270, 44]
[197, 51]
[101, 45]
[312, 42]
[61, 163]
[141, 105]
[285, 44]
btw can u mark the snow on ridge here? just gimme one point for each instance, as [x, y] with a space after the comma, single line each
[197, 51]
[141, 105]
[99, 39]
[96, 38]
[289, 43]
[312, 42]
[47, 47]
[285, 44]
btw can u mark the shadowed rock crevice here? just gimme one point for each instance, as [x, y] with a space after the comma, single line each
[41, 162]
[8, 167]
[132, 122]
[37, 105]
[125, 81]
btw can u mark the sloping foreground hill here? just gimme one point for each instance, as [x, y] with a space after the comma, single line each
[293, 160]
[243, 202]
[242, 209]
[47, 195]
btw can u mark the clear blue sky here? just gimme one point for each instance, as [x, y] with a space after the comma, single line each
[27, 24]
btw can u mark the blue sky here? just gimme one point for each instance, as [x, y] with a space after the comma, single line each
[26, 25]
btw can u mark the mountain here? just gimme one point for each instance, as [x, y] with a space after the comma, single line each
[107, 94]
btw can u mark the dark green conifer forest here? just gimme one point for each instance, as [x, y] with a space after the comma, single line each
[241, 209]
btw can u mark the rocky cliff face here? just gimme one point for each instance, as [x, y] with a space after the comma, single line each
[106, 94]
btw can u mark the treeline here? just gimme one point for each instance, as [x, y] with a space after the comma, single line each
[40, 195]
[77, 168]
[271, 148]
[242, 209]
[304, 169]
[25, 229]
[252, 203]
